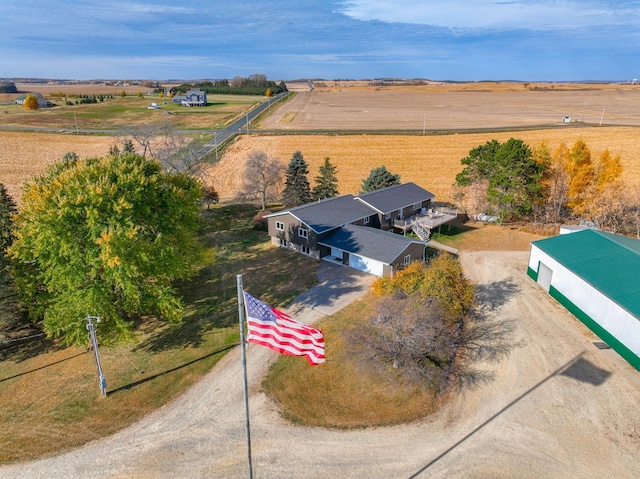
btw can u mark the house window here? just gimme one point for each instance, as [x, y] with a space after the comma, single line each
[407, 260]
[279, 225]
[304, 249]
[417, 206]
[366, 220]
[387, 216]
[283, 242]
[303, 232]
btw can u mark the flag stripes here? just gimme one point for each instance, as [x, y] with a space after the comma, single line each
[276, 330]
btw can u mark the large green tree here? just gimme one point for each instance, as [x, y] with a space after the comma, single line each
[297, 190]
[326, 181]
[512, 176]
[106, 237]
[379, 178]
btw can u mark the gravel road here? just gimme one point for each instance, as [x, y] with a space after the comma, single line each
[557, 407]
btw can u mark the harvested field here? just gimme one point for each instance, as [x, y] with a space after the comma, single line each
[440, 108]
[23, 155]
[431, 161]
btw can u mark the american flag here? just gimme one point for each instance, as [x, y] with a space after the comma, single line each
[276, 330]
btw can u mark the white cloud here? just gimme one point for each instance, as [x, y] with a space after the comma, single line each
[496, 14]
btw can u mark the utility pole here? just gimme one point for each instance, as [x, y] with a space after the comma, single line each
[94, 343]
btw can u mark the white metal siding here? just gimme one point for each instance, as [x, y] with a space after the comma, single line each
[601, 309]
[366, 264]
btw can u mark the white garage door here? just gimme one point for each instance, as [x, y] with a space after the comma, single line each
[544, 276]
[368, 265]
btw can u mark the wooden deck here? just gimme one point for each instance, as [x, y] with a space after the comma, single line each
[429, 219]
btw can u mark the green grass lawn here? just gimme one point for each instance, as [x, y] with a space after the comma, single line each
[120, 113]
[50, 395]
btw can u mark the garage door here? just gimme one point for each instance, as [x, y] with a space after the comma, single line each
[366, 264]
[544, 276]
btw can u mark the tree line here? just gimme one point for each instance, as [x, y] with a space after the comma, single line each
[515, 182]
[265, 178]
[256, 84]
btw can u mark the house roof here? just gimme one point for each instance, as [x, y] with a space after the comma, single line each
[395, 197]
[369, 242]
[24, 96]
[327, 214]
[610, 263]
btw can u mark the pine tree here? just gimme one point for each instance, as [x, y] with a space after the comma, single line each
[296, 188]
[379, 178]
[326, 181]
[7, 211]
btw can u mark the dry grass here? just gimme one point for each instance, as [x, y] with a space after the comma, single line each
[431, 161]
[341, 393]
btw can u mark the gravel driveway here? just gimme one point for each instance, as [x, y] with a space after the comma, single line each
[557, 407]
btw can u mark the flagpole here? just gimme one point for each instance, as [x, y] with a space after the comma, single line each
[244, 371]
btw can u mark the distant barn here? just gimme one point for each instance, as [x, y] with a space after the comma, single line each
[42, 101]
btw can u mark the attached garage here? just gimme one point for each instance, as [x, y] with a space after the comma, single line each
[596, 276]
[368, 265]
[372, 250]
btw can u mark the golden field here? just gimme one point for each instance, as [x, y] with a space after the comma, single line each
[23, 155]
[531, 111]
[431, 161]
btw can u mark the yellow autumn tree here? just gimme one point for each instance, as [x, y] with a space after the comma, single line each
[581, 174]
[607, 170]
[31, 102]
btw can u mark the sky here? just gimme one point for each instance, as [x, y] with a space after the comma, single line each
[459, 40]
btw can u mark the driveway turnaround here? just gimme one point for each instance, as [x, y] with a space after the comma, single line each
[556, 407]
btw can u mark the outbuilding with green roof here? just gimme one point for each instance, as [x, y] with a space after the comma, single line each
[596, 276]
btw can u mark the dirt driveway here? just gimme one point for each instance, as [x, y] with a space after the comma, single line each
[557, 407]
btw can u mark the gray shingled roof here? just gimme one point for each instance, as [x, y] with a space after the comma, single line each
[369, 242]
[395, 197]
[331, 213]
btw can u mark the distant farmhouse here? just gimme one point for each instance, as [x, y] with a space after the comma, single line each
[194, 97]
[42, 102]
[365, 232]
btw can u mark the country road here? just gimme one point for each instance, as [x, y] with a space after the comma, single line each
[556, 407]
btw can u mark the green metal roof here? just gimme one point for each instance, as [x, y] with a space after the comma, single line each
[610, 263]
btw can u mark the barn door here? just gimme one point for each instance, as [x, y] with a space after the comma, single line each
[544, 276]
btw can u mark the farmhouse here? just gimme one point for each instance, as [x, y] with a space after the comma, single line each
[193, 97]
[595, 276]
[361, 231]
[42, 102]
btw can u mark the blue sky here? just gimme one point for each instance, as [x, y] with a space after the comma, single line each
[528, 40]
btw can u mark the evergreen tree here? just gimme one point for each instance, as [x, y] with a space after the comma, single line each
[9, 306]
[512, 176]
[379, 178]
[326, 181]
[7, 211]
[296, 188]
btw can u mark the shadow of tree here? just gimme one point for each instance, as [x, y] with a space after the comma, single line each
[210, 297]
[491, 296]
[26, 343]
[487, 337]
